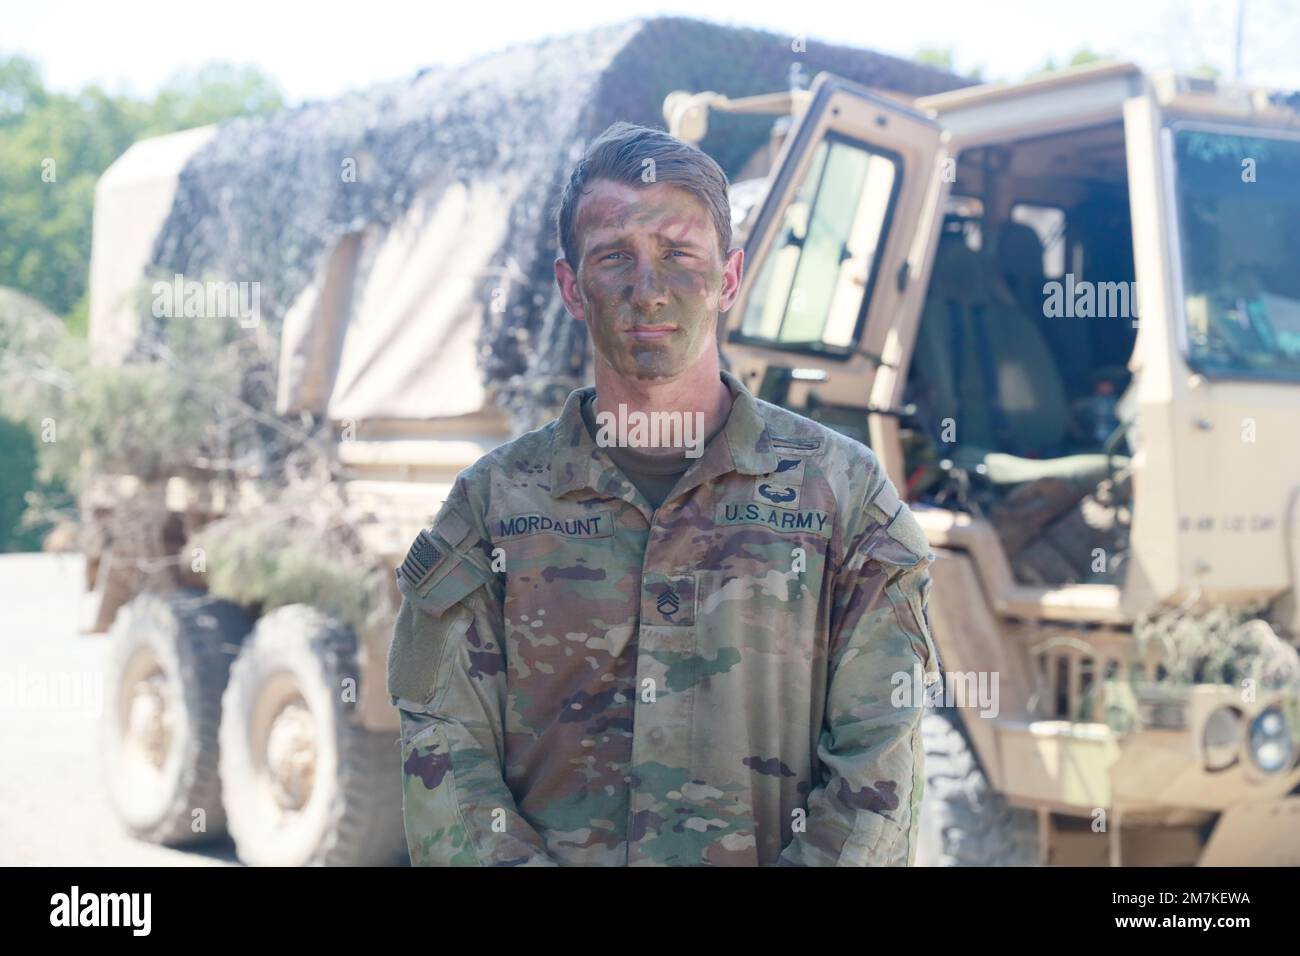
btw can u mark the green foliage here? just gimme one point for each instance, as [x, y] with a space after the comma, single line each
[150, 418]
[210, 94]
[1080, 57]
[1218, 646]
[938, 57]
[942, 58]
[17, 477]
[139, 418]
[269, 563]
[54, 146]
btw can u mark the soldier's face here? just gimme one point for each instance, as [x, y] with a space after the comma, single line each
[651, 277]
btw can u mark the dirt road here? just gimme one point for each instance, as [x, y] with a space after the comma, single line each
[54, 808]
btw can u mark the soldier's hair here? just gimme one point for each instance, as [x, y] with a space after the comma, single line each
[620, 154]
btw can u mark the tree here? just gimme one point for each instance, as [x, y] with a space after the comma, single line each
[938, 57]
[55, 146]
[942, 58]
[53, 149]
[1080, 57]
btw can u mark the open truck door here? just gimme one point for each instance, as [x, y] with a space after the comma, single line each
[837, 261]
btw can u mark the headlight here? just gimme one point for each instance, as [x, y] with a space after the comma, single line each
[1270, 741]
[1221, 739]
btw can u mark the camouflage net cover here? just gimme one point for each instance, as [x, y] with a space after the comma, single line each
[264, 199]
[1219, 646]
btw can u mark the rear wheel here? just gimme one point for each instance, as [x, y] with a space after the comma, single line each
[964, 822]
[169, 661]
[303, 782]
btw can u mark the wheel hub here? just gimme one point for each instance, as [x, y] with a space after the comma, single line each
[149, 718]
[291, 754]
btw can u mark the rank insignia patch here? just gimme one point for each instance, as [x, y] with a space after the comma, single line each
[670, 600]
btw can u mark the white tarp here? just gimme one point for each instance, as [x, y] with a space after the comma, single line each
[132, 200]
[419, 283]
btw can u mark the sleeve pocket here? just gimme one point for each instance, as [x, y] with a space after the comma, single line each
[451, 584]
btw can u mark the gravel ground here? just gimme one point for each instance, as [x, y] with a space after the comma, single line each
[54, 808]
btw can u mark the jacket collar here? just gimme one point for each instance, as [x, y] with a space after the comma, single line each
[578, 462]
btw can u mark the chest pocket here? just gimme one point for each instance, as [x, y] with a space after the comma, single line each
[551, 557]
[762, 581]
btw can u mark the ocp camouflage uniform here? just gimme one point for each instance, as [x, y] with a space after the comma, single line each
[584, 680]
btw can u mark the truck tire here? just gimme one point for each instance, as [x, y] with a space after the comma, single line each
[303, 782]
[169, 659]
[964, 822]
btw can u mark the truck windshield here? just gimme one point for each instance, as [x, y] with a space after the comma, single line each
[1238, 200]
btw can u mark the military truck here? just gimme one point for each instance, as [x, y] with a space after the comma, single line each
[1065, 314]
[401, 244]
[1098, 481]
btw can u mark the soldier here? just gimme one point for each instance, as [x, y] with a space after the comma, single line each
[621, 654]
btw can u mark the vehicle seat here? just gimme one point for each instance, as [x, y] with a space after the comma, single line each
[1019, 258]
[983, 363]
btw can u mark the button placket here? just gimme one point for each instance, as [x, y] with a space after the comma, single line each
[666, 658]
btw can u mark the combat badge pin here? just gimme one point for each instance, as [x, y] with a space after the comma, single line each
[781, 487]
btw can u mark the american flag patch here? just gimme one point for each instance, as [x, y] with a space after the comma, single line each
[420, 561]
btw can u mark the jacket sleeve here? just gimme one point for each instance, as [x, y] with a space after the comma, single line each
[447, 677]
[865, 809]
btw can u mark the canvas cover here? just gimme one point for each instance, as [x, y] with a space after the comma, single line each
[403, 236]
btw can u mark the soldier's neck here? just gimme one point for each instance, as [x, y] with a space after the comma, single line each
[698, 389]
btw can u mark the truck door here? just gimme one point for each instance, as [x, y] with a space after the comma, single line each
[837, 261]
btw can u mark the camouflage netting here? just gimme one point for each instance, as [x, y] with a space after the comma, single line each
[1217, 645]
[264, 199]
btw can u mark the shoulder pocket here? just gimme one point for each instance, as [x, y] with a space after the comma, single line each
[449, 583]
[907, 531]
[436, 573]
[901, 541]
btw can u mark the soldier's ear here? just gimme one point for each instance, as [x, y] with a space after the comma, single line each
[566, 277]
[733, 267]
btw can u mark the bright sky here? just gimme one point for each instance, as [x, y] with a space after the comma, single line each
[322, 48]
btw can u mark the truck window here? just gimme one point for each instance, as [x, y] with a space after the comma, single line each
[1049, 223]
[812, 289]
[968, 211]
[1238, 204]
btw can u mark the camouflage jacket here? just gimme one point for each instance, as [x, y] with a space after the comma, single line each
[584, 681]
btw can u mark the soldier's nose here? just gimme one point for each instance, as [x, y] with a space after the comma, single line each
[649, 291]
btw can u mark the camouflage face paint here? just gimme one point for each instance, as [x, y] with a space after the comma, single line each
[650, 277]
